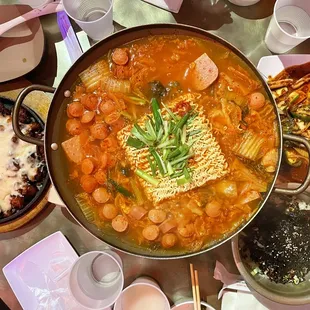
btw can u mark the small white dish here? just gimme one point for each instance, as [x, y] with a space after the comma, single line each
[21, 48]
[272, 65]
[39, 276]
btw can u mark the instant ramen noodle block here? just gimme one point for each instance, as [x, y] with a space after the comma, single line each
[207, 164]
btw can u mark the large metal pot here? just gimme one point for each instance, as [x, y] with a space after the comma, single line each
[55, 125]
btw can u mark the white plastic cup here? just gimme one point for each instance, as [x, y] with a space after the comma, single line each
[244, 2]
[96, 279]
[95, 17]
[289, 25]
[143, 294]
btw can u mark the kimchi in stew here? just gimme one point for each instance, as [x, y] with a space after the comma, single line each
[171, 142]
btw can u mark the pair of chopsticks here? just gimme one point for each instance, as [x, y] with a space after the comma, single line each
[195, 288]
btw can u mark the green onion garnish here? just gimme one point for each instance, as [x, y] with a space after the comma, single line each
[135, 143]
[169, 139]
[152, 165]
[145, 176]
[183, 180]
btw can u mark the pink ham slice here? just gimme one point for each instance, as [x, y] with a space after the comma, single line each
[204, 73]
[73, 149]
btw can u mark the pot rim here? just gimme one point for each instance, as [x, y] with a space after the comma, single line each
[147, 29]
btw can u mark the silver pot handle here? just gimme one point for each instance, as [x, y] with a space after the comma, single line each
[16, 109]
[306, 182]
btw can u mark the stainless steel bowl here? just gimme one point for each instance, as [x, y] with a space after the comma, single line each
[267, 291]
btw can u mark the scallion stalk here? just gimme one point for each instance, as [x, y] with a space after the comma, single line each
[181, 122]
[133, 142]
[181, 159]
[183, 180]
[170, 169]
[145, 176]
[152, 165]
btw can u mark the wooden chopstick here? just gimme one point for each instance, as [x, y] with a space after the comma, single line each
[197, 291]
[193, 286]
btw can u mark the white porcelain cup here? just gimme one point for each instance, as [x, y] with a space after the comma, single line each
[96, 279]
[143, 294]
[289, 25]
[95, 17]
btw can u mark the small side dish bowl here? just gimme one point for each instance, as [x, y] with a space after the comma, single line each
[261, 286]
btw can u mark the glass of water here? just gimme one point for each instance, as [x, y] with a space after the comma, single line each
[289, 25]
[95, 17]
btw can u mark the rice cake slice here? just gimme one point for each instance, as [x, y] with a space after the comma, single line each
[208, 163]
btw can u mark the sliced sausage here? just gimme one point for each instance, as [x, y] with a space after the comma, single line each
[186, 230]
[107, 107]
[112, 118]
[75, 109]
[109, 211]
[157, 216]
[213, 208]
[88, 183]
[101, 177]
[87, 117]
[150, 232]
[120, 56]
[120, 223]
[74, 127]
[90, 101]
[118, 125]
[169, 240]
[109, 144]
[101, 195]
[99, 131]
[88, 165]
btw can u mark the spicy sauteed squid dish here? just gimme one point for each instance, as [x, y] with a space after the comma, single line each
[171, 142]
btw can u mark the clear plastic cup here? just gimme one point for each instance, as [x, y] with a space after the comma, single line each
[289, 25]
[96, 279]
[95, 17]
[143, 294]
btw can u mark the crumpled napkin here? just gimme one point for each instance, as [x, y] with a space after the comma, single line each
[229, 280]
